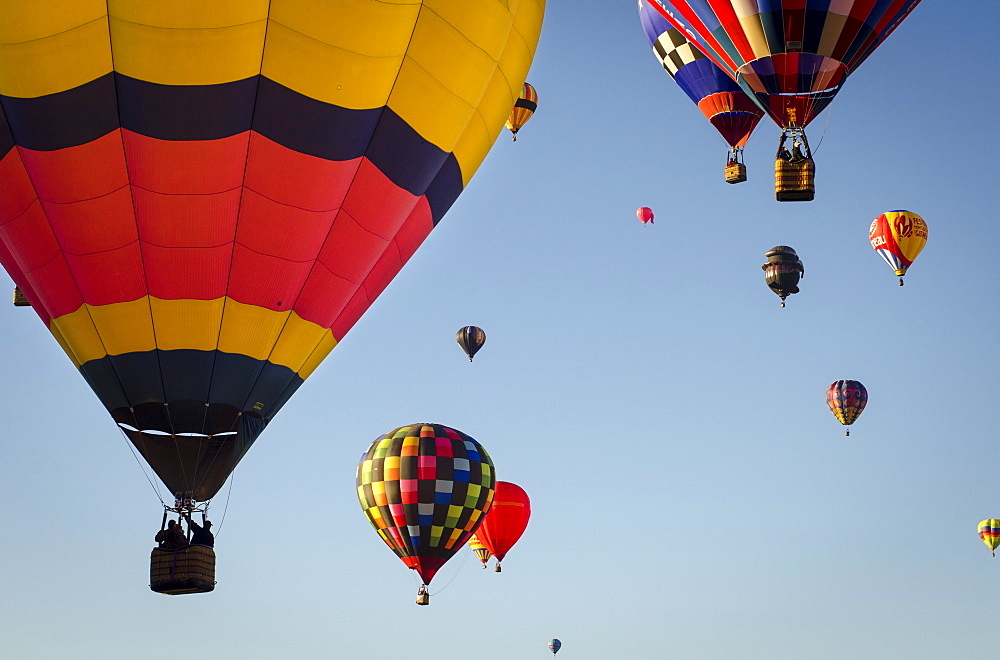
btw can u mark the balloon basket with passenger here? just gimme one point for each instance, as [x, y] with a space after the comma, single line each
[183, 562]
[794, 170]
[736, 171]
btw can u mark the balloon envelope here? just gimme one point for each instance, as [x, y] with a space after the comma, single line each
[846, 399]
[645, 214]
[471, 339]
[524, 107]
[791, 56]
[554, 646]
[898, 237]
[199, 231]
[782, 271]
[425, 489]
[723, 102]
[989, 532]
[506, 520]
[480, 550]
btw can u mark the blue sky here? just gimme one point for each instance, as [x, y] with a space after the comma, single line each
[692, 495]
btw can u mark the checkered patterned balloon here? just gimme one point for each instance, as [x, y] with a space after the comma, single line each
[425, 489]
[846, 399]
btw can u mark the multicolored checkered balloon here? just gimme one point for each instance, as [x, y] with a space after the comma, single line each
[425, 489]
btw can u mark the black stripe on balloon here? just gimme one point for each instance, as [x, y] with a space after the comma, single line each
[206, 112]
[6, 139]
[186, 112]
[525, 103]
[64, 119]
[187, 380]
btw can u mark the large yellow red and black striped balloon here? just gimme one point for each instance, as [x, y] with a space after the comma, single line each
[200, 199]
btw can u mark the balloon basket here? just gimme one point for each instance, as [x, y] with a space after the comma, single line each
[423, 598]
[20, 300]
[497, 569]
[794, 182]
[736, 173]
[188, 570]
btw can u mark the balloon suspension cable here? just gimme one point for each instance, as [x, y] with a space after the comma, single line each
[152, 485]
[225, 508]
[825, 126]
[465, 558]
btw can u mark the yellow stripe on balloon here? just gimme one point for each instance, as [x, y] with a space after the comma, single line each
[190, 55]
[186, 324]
[345, 54]
[283, 338]
[40, 56]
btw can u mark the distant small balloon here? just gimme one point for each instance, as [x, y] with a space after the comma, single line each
[782, 271]
[471, 339]
[645, 214]
[989, 532]
[846, 399]
[525, 106]
[898, 237]
[554, 646]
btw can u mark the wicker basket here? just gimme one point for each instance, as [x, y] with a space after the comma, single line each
[794, 182]
[20, 300]
[736, 173]
[190, 570]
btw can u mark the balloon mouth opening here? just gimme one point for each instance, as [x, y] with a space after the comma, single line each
[167, 434]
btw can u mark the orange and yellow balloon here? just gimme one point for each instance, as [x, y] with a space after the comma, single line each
[480, 550]
[989, 532]
[898, 236]
[525, 106]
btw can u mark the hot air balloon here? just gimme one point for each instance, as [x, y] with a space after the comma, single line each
[898, 236]
[782, 271]
[525, 106]
[989, 532]
[645, 214]
[846, 399]
[506, 521]
[480, 550]
[199, 214]
[471, 339]
[791, 56]
[554, 646]
[734, 114]
[425, 489]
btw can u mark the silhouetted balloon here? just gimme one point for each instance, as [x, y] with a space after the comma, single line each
[471, 339]
[782, 271]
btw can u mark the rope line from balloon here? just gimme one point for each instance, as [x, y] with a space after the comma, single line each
[131, 447]
[465, 558]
